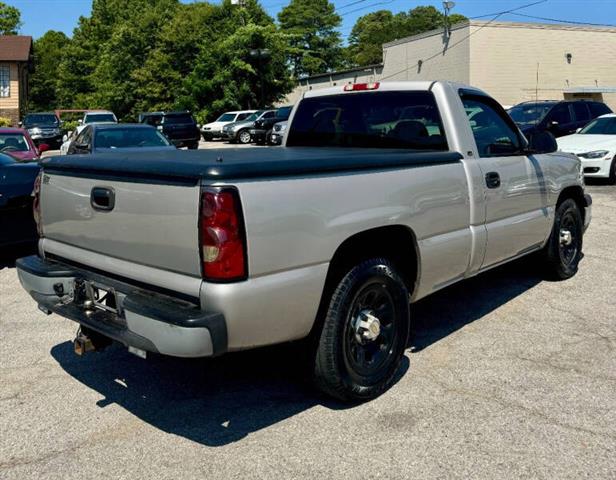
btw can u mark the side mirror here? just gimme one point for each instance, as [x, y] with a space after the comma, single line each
[82, 146]
[80, 121]
[578, 130]
[64, 138]
[542, 142]
[43, 147]
[20, 123]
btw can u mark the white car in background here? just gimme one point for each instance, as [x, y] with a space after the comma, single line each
[96, 116]
[213, 130]
[595, 145]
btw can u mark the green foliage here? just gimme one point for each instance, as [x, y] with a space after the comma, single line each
[5, 122]
[43, 82]
[132, 56]
[372, 30]
[315, 43]
[253, 74]
[69, 125]
[10, 19]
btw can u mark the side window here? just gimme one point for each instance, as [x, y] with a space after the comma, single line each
[580, 110]
[597, 109]
[269, 114]
[83, 137]
[495, 136]
[561, 114]
[242, 116]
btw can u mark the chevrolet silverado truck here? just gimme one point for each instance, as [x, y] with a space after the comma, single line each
[381, 195]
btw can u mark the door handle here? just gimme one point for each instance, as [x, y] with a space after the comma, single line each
[102, 198]
[493, 180]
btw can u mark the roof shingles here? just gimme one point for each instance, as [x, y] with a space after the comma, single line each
[15, 48]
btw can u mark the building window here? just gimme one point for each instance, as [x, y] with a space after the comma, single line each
[5, 81]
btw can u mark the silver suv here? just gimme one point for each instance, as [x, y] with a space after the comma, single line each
[239, 132]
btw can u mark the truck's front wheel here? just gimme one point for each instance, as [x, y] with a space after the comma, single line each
[365, 333]
[563, 251]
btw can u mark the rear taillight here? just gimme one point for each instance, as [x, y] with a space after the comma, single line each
[223, 242]
[360, 87]
[36, 204]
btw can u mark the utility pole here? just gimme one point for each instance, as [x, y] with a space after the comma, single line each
[447, 6]
[241, 4]
[260, 54]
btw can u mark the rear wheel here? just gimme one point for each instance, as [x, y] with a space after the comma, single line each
[193, 146]
[563, 251]
[365, 333]
[243, 137]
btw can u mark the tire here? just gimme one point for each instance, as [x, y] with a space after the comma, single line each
[207, 138]
[193, 146]
[243, 137]
[348, 365]
[268, 137]
[612, 177]
[563, 251]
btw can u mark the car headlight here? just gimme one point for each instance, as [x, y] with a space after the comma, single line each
[595, 154]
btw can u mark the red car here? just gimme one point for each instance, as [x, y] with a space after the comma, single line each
[17, 143]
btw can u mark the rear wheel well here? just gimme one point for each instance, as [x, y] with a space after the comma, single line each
[397, 243]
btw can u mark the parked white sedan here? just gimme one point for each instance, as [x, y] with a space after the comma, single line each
[595, 145]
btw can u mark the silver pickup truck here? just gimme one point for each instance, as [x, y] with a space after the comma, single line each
[381, 195]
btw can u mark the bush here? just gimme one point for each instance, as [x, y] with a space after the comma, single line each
[70, 125]
[5, 122]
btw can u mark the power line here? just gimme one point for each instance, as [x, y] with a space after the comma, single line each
[365, 7]
[572, 22]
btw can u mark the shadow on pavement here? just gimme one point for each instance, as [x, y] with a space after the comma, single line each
[211, 401]
[219, 401]
[448, 310]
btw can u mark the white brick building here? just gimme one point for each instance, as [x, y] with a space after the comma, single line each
[513, 62]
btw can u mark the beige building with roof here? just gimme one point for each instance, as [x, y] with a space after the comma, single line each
[513, 62]
[15, 61]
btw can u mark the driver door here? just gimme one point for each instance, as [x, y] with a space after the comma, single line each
[516, 214]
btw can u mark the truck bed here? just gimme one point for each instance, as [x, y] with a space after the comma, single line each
[190, 166]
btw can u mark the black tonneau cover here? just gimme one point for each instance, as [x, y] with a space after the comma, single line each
[239, 163]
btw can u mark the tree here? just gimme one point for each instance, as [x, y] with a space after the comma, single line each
[85, 72]
[315, 43]
[10, 19]
[369, 34]
[372, 30]
[230, 76]
[48, 50]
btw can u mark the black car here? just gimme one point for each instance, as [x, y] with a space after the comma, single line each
[44, 127]
[118, 137]
[262, 131]
[17, 224]
[179, 127]
[560, 118]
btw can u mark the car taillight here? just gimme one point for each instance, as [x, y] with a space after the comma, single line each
[223, 243]
[359, 87]
[36, 204]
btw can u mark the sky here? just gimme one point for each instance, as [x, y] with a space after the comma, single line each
[38, 16]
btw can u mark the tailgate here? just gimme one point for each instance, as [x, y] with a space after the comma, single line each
[152, 224]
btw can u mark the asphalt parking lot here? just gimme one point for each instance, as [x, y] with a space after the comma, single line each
[508, 376]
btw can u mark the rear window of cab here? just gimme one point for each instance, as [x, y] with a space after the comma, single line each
[406, 120]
